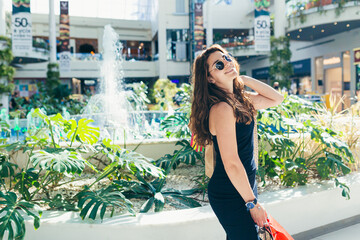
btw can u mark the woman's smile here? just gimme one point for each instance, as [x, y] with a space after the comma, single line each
[229, 71]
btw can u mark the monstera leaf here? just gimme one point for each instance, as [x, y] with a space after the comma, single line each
[59, 161]
[133, 161]
[6, 167]
[83, 131]
[107, 143]
[12, 221]
[25, 180]
[155, 194]
[176, 126]
[185, 155]
[108, 197]
[57, 119]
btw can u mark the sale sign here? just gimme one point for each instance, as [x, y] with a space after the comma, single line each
[21, 28]
[262, 25]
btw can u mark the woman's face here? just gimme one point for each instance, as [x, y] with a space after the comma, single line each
[225, 76]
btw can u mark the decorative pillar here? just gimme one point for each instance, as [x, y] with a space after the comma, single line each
[2, 18]
[52, 32]
[209, 25]
[162, 41]
[280, 18]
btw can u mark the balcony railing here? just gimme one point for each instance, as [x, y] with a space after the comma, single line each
[300, 7]
[98, 56]
[237, 42]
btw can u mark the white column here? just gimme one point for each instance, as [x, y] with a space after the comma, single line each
[209, 25]
[280, 18]
[2, 18]
[52, 32]
[162, 39]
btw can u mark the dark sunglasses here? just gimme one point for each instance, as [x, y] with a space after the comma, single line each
[220, 65]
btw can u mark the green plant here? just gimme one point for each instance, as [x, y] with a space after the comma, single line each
[12, 221]
[6, 71]
[50, 104]
[138, 99]
[52, 78]
[163, 92]
[300, 149]
[154, 192]
[57, 150]
[110, 196]
[280, 66]
[300, 6]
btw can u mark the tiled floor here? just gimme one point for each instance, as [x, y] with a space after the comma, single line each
[352, 232]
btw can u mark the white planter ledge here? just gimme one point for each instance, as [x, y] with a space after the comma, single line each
[298, 209]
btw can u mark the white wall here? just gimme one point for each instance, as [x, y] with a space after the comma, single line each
[88, 69]
[178, 68]
[240, 14]
[174, 20]
[85, 27]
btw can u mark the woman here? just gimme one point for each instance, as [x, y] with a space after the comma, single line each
[223, 113]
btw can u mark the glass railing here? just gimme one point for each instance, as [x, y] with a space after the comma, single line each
[98, 56]
[298, 7]
[237, 42]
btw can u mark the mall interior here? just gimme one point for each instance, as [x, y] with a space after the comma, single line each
[324, 42]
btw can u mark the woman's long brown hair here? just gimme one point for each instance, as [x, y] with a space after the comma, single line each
[206, 94]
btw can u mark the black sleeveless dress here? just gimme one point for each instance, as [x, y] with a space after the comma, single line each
[225, 200]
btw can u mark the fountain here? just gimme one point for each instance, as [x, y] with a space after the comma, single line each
[110, 108]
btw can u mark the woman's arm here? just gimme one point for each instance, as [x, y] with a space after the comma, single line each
[265, 95]
[223, 119]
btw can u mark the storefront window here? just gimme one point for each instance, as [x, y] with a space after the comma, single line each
[177, 44]
[137, 50]
[233, 38]
[346, 79]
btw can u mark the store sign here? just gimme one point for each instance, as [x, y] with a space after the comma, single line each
[21, 28]
[332, 61]
[199, 28]
[302, 67]
[261, 73]
[65, 56]
[357, 56]
[262, 25]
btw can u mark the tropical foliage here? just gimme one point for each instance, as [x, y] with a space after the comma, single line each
[61, 149]
[294, 146]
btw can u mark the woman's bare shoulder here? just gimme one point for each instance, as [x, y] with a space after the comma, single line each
[221, 108]
[221, 111]
[221, 117]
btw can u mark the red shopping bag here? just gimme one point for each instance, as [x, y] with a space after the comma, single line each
[277, 231]
[194, 145]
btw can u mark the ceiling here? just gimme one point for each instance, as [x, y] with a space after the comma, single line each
[316, 32]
